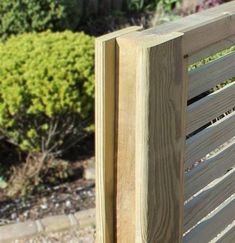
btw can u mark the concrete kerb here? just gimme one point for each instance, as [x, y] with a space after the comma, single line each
[27, 229]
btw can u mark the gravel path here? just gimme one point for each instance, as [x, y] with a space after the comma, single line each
[74, 235]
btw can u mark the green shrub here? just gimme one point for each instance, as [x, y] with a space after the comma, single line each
[46, 89]
[19, 16]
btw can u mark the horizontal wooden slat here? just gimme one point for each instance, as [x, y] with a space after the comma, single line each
[210, 107]
[211, 32]
[229, 237]
[212, 49]
[201, 29]
[208, 200]
[209, 170]
[211, 74]
[209, 139]
[208, 229]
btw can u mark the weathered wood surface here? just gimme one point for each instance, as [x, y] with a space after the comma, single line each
[210, 228]
[160, 140]
[209, 139]
[202, 29]
[146, 134]
[211, 74]
[229, 237]
[209, 170]
[105, 126]
[212, 49]
[210, 107]
[125, 166]
[208, 200]
[219, 28]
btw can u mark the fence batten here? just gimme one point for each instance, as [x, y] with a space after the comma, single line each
[105, 133]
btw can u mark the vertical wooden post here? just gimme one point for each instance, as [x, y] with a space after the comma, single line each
[105, 133]
[160, 139]
[151, 107]
[125, 137]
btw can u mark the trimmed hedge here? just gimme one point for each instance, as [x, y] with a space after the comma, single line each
[19, 16]
[46, 89]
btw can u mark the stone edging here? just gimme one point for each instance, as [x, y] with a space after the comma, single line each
[27, 229]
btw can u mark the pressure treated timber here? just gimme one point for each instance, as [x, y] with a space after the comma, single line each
[208, 229]
[229, 236]
[210, 107]
[209, 170]
[209, 139]
[160, 137]
[126, 153]
[212, 49]
[105, 115]
[208, 200]
[214, 30]
[148, 129]
[125, 162]
[209, 75]
[201, 29]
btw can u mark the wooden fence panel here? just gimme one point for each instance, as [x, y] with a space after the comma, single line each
[209, 170]
[211, 74]
[228, 237]
[208, 200]
[209, 108]
[209, 139]
[141, 119]
[208, 229]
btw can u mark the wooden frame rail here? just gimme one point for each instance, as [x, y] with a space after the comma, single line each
[142, 119]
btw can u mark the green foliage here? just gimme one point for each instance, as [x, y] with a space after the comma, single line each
[3, 183]
[212, 58]
[169, 5]
[135, 5]
[19, 16]
[141, 5]
[46, 89]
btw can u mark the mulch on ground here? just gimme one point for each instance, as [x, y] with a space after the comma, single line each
[69, 197]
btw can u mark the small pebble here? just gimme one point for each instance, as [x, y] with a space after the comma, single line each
[44, 206]
[68, 204]
[13, 216]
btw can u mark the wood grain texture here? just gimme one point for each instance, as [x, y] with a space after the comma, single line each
[209, 170]
[160, 140]
[209, 75]
[125, 165]
[208, 200]
[209, 139]
[212, 49]
[210, 107]
[201, 29]
[229, 237]
[209, 32]
[210, 228]
[105, 126]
